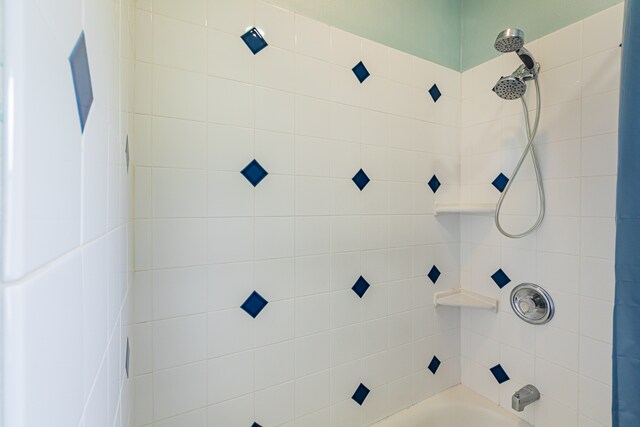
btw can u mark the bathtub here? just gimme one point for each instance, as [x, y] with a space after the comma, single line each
[455, 407]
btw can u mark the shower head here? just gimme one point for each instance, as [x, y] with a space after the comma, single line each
[509, 40]
[510, 87]
[512, 40]
[515, 85]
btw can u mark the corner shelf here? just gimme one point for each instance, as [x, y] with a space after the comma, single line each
[464, 298]
[467, 208]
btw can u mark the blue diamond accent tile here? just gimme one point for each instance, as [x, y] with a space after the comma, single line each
[254, 40]
[361, 179]
[360, 287]
[434, 183]
[434, 274]
[499, 374]
[435, 93]
[81, 79]
[361, 394]
[126, 358]
[254, 304]
[361, 72]
[501, 278]
[500, 182]
[434, 365]
[254, 172]
[255, 425]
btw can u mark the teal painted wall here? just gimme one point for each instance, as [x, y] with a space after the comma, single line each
[458, 34]
[430, 29]
[482, 20]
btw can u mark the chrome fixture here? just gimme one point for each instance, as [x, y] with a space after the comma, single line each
[509, 40]
[524, 397]
[512, 87]
[532, 304]
[512, 40]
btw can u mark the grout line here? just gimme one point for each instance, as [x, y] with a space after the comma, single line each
[295, 293]
[152, 228]
[207, 201]
[581, 195]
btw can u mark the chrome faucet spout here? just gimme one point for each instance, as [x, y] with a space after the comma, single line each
[524, 397]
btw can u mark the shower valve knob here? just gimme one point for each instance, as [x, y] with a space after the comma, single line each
[532, 303]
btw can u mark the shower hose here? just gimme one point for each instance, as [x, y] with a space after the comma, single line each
[531, 134]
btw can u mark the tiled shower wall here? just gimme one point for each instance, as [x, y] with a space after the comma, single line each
[571, 255]
[206, 238]
[67, 229]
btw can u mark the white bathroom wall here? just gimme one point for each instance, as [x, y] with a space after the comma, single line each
[206, 238]
[572, 254]
[66, 255]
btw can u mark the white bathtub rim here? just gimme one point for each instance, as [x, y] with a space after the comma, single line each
[456, 396]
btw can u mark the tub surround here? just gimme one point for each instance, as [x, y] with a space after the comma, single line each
[305, 251]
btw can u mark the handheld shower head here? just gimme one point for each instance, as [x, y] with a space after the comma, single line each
[527, 58]
[512, 40]
[509, 40]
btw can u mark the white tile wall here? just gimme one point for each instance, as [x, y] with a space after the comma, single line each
[572, 254]
[67, 229]
[205, 238]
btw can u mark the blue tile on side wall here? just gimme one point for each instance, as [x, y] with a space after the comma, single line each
[360, 287]
[434, 183]
[79, 61]
[361, 179]
[126, 152]
[499, 374]
[434, 365]
[500, 182]
[434, 274]
[126, 358]
[254, 304]
[501, 278]
[254, 172]
[361, 394]
[255, 425]
[254, 40]
[435, 93]
[361, 72]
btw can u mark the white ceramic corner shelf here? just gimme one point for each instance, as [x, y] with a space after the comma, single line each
[466, 208]
[464, 298]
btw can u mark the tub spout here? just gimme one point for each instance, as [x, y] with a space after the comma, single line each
[524, 397]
